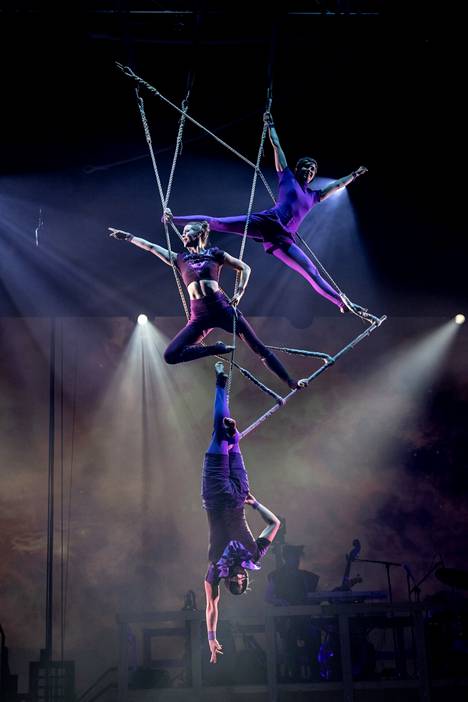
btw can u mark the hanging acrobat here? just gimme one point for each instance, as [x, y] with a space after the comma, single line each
[233, 551]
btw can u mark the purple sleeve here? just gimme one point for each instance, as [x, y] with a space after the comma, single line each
[218, 255]
[285, 173]
[212, 575]
[316, 194]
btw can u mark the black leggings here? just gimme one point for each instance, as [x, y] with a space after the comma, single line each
[214, 311]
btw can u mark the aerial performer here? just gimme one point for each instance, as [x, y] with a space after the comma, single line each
[276, 228]
[200, 268]
[232, 551]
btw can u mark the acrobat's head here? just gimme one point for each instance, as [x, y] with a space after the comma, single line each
[306, 169]
[237, 581]
[230, 427]
[195, 234]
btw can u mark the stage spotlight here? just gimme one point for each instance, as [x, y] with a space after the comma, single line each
[142, 319]
[459, 319]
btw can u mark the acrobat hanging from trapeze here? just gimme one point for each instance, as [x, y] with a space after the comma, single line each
[233, 551]
[276, 228]
[210, 308]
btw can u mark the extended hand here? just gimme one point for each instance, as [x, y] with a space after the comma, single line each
[250, 499]
[216, 650]
[119, 234]
[234, 301]
[360, 171]
[167, 216]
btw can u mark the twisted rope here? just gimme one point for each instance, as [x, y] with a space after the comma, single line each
[244, 238]
[165, 197]
[130, 74]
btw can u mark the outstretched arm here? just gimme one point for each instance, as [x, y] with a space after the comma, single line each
[158, 251]
[341, 183]
[212, 601]
[244, 274]
[273, 523]
[280, 158]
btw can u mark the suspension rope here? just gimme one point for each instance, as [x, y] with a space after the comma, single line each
[164, 202]
[244, 237]
[319, 263]
[264, 388]
[314, 375]
[130, 74]
[328, 360]
[165, 197]
[259, 384]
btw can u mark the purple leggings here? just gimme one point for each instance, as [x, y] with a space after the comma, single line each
[215, 311]
[225, 482]
[266, 227]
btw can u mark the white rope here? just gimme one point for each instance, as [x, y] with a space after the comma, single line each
[242, 248]
[165, 198]
[130, 74]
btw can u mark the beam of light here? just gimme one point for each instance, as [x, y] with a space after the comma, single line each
[332, 232]
[385, 404]
[459, 319]
[32, 275]
[148, 436]
[142, 319]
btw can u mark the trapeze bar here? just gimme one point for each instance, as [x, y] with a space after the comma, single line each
[314, 375]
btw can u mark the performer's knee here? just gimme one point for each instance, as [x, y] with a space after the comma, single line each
[172, 356]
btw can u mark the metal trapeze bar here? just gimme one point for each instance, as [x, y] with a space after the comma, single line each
[314, 375]
[303, 352]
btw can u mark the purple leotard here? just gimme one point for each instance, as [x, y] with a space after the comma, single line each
[200, 266]
[294, 201]
[276, 227]
[225, 486]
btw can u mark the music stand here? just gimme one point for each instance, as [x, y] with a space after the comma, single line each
[400, 664]
[388, 565]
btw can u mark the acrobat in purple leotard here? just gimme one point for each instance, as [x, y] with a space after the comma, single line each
[214, 311]
[276, 228]
[225, 485]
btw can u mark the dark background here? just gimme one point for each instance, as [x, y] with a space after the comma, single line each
[378, 85]
[377, 450]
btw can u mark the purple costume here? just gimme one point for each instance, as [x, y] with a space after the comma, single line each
[276, 228]
[213, 311]
[225, 485]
